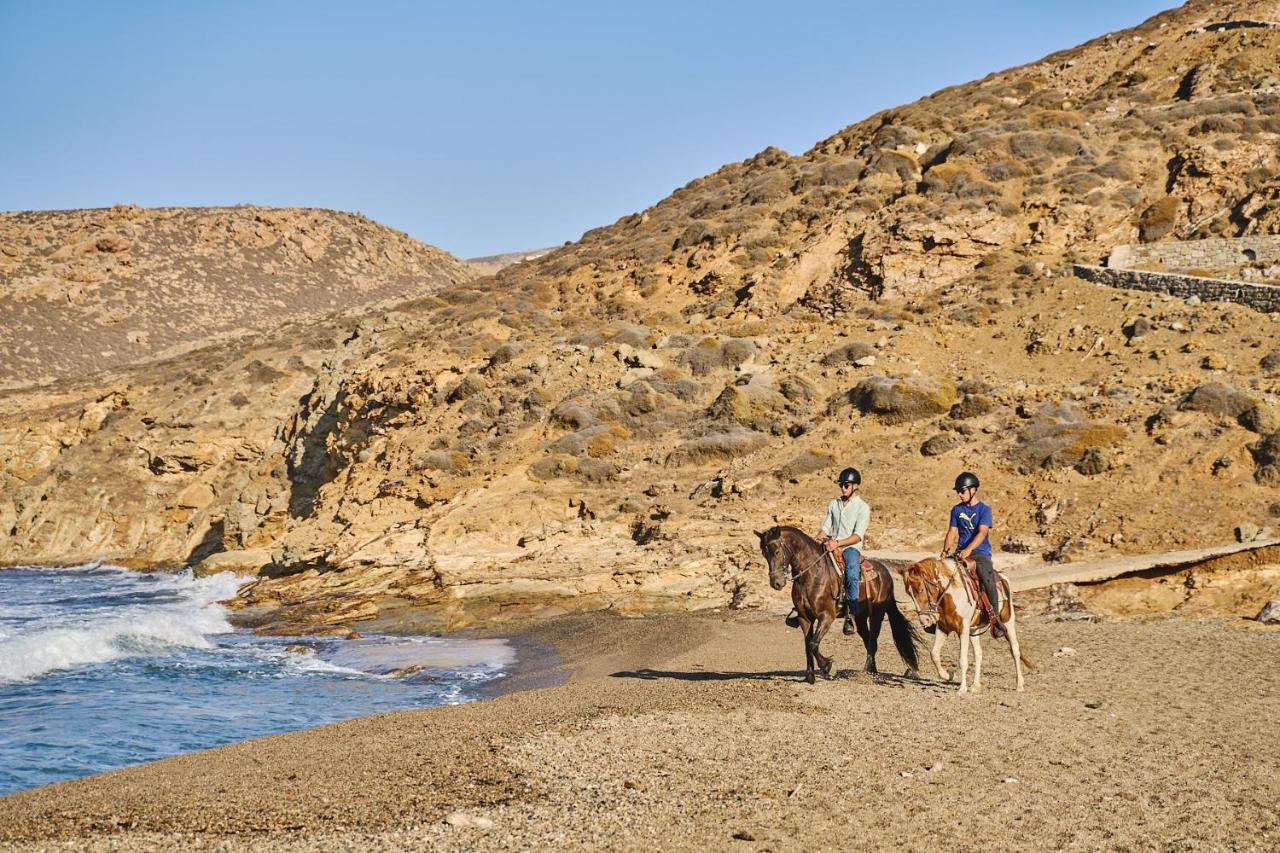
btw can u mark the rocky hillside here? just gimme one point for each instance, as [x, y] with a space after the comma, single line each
[602, 427]
[87, 290]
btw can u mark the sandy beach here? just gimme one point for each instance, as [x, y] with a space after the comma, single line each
[694, 732]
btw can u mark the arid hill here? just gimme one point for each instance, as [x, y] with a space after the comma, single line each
[87, 290]
[603, 426]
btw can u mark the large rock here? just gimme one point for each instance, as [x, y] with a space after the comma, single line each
[247, 562]
[1270, 613]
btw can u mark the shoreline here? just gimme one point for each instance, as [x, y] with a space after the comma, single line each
[695, 727]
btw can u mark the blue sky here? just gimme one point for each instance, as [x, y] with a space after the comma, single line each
[479, 127]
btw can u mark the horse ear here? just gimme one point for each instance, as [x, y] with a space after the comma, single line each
[758, 533]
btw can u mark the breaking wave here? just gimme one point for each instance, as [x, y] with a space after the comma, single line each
[181, 611]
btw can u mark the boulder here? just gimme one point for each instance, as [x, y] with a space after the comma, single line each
[247, 562]
[1270, 613]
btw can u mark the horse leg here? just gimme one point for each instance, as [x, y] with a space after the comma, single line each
[935, 652]
[965, 623]
[977, 665]
[876, 619]
[806, 628]
[1012, 630]
[820, 628]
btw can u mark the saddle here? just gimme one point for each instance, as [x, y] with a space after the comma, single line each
[866, 579]
[973, 586]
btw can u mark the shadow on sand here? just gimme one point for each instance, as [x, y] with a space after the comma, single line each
[794, 676]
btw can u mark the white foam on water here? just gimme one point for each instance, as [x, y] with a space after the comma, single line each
[126, 631]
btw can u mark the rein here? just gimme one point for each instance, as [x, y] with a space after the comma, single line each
[791, 560]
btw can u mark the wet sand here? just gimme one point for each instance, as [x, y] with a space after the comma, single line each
[694, 731]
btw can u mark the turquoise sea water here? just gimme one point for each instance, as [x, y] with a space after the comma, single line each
[102, 668]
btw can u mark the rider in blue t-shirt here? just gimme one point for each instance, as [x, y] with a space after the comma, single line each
[968, 535]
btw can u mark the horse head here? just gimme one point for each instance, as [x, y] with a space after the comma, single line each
[917, 577]
[775, 554]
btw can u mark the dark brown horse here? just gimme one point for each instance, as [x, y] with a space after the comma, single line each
[814, 589]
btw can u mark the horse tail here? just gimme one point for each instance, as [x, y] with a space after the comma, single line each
[905, 635]
[1028, 664]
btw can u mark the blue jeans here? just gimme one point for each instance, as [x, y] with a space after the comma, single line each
[852, 575]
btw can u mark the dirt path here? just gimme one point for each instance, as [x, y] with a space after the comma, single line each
[693, 732]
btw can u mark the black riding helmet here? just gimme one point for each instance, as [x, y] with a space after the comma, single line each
[849, 475]
[965, 480]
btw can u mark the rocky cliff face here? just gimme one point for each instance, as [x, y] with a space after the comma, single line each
[86, 290]
[602, 427]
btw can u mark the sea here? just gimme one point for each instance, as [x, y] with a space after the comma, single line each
[102, 667]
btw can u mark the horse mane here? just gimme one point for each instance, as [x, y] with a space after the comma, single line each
[779, 529]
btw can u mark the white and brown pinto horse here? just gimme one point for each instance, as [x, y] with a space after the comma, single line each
[939, 591]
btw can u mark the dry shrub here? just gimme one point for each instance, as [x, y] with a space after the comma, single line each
[504, 354]
[1080, 183]
[446, 461]
[736, 351]
[571, 413]
[1117, 169]
[1004, 169]
[635, 336]
[1158, 220]
[703, 358]
[733, 404]
[1270, 362]
[586, 469]
[470, 385]
[1051, 119]
[900, 399]
[1055, 440]
[841, 173]
[848, 354]
[1266, 457]
[767, 188]
[576, 443]
[808, 462]
[895, 164]
[797, 389]
[972, 404]
[941, 443]
[716, 447]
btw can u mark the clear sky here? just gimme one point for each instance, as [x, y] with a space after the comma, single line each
[480, 127]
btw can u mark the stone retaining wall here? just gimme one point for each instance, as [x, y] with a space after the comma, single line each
[1206, 254]
[1263, 297]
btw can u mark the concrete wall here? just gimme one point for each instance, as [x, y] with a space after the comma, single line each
[1263, 297]
[1192, 254]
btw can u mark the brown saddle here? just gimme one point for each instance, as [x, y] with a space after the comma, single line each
[866, 582]
[973, 585]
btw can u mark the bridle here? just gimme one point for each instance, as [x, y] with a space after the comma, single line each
[930, 583]
[934, 582]
[778, 544]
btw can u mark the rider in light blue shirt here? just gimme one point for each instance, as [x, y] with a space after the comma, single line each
[845, 527]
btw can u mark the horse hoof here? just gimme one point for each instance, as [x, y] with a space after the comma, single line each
[809, 679]
[912, 674]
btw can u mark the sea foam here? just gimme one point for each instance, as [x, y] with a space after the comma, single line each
[187, 617]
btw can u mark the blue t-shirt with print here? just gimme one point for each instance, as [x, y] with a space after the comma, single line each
[966, 519]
